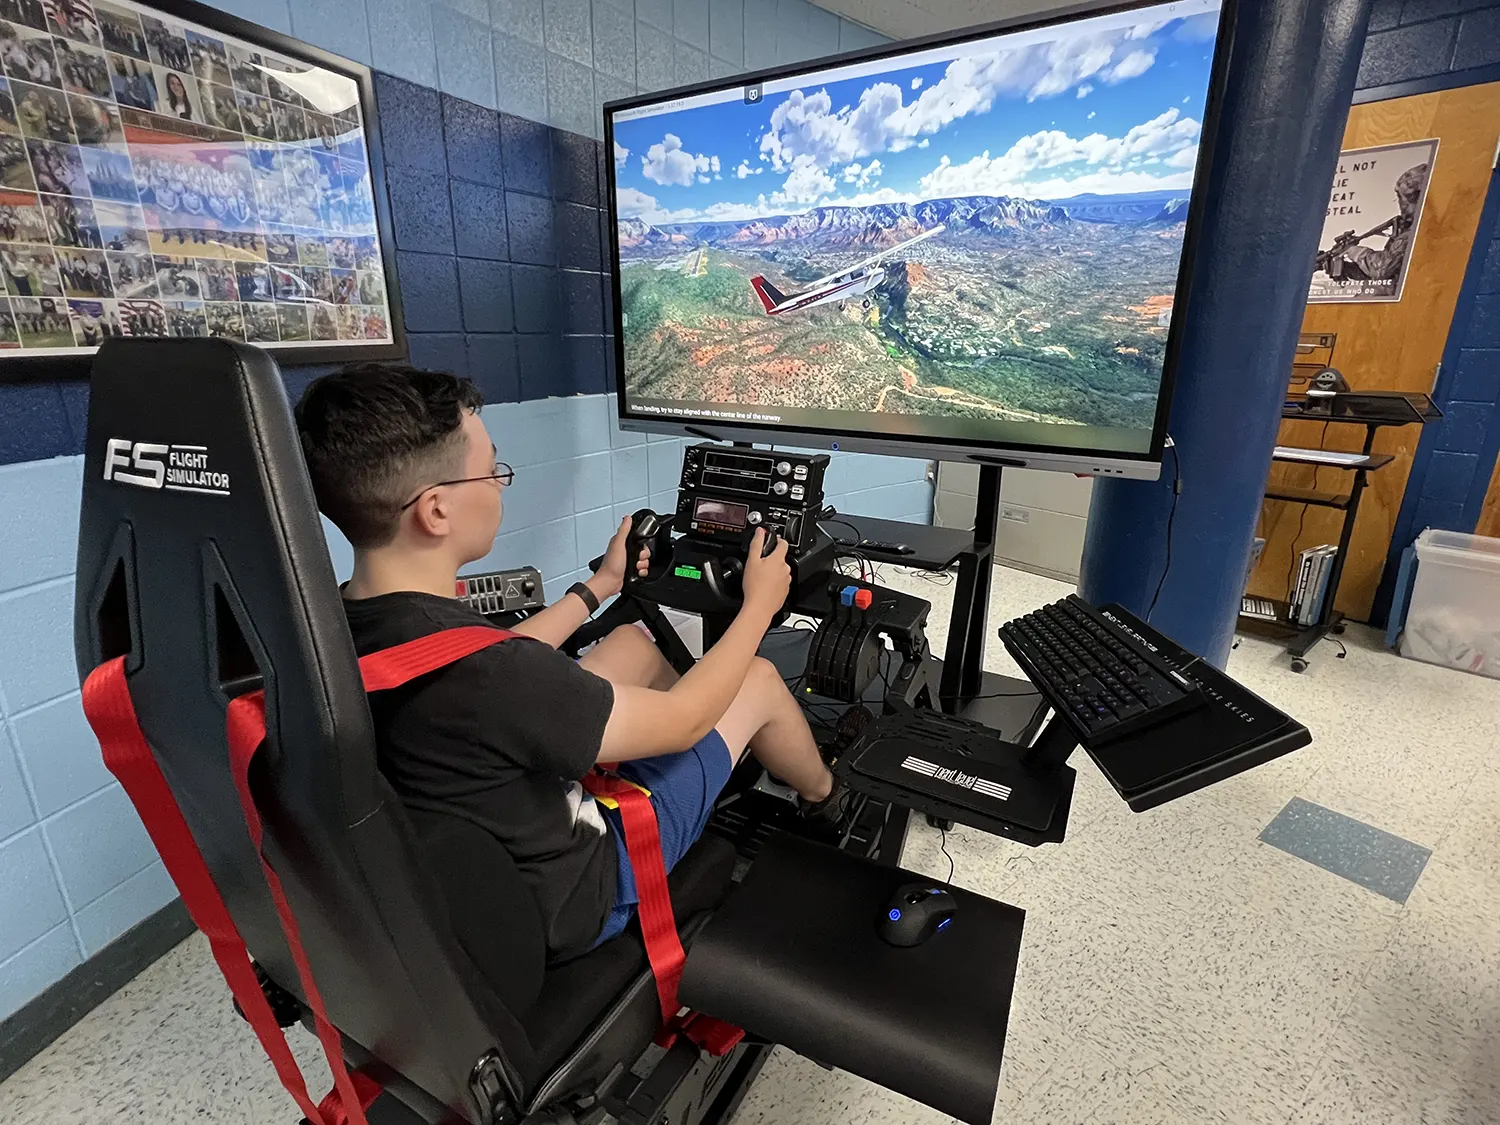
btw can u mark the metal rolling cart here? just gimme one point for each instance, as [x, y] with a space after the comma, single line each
[1371, 410]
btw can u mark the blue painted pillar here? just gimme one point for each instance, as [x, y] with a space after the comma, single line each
[1291, 79]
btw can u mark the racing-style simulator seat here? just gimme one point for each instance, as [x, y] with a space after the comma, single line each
[202, 564]
[202, 557]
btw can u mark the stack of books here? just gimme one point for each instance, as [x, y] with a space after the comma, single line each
[1311, 588]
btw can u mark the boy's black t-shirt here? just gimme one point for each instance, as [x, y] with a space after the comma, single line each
[500, 738]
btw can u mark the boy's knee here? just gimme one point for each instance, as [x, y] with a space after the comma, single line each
[765, 679]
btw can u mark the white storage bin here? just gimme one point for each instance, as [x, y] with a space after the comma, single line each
[1454, 614]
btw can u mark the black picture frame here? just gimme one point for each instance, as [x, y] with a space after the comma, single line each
[21, 367]
[1142, 465]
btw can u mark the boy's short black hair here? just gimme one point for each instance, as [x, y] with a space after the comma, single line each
[374, 434]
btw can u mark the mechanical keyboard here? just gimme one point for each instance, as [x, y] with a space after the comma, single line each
[1106, 680]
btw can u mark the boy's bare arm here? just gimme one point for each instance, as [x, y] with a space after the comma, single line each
[562, 618]
[645, 723]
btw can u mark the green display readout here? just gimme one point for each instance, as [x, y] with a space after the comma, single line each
[688, 572]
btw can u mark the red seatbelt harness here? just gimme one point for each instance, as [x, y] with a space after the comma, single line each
[111, 713]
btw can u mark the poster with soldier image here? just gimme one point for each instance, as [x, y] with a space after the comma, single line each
[1374, 211]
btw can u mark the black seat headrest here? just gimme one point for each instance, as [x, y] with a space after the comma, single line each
[202, 557]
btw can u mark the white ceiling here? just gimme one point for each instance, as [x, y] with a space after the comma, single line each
[906, 19]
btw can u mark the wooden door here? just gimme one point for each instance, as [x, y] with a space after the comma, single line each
[1388, 345]
[1489, 515]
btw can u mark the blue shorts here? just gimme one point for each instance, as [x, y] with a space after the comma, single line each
[683, 788]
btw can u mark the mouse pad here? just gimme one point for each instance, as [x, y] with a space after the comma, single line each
[794, 955]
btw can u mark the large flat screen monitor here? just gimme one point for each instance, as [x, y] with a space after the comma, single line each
[162, 175]
[969, 246]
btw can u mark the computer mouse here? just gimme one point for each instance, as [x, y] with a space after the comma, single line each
[916, 912]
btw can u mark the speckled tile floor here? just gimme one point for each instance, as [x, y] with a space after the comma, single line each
[1176, 970]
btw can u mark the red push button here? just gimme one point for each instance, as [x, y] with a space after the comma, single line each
[463, 588]
[863, 598]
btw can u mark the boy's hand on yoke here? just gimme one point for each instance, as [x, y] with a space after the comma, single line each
[612, 570]
[767, 580]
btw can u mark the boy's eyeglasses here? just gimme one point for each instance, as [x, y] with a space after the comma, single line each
[503, 473]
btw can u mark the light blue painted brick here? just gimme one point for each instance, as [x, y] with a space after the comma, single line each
[551, 429]
[654, 64]
[33, 902]
[726, 30]
[690, 22]
[401, 40]
[474, 9]
[664, 502]
[521, 18]
[630, 507]
[791, 30]
[60, 754]
[662, 437]
[722, 68]
[41, 497]
[114, 912]
[630, 472]
[592, 531]
[340, 26]
[566, 24]
[520, 76]
[760, 34]
[589, 420]
[610, 89]
[16, 811]
[340, 553]
[853, 36]
[658, 13]
[36, 644]
[689, 64]
[591, 482]
[570, 96]
[542, 494]
[665, 466]
[42, 963]
[555, 547]
[822, 33]
[614, 43]
[619, 437]
[274, 14]
[98, 844]
[466, 66]
[627, 6]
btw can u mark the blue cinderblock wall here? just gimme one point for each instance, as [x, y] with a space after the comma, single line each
[495, 191]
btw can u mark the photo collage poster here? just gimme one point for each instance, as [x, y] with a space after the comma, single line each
[161, 179]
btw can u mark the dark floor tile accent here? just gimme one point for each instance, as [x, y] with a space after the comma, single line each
[1361, 853]
[471, 134]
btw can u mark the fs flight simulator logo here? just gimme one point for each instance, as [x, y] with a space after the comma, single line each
[176, 468]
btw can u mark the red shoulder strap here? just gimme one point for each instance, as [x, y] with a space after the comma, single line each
[111, 713]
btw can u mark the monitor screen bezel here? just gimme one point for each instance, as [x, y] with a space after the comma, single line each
[22, 367]
[1102, 462]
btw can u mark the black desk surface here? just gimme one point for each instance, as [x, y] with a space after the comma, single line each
[934, 548]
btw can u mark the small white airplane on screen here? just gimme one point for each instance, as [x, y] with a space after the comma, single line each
[855, 281]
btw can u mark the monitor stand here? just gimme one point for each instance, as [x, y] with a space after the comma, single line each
[1004, 703]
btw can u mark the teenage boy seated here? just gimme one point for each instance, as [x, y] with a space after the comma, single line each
[401, 462]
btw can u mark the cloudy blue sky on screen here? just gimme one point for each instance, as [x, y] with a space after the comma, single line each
[1098, 106]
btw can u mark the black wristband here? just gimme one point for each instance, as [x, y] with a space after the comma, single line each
[587, 595]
